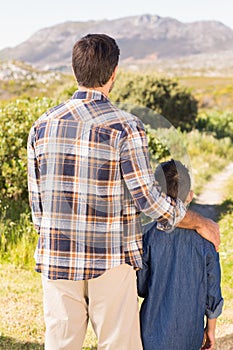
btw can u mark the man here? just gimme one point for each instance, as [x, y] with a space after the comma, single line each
[89, 178]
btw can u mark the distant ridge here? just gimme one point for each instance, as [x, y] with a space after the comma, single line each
[144, 39]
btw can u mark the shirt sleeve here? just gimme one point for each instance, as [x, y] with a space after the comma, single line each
[144, 274]
[139, 179]
[214, 301]
[34, 182]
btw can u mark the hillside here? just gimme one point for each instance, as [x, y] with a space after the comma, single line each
[18, 80]
[145, 39]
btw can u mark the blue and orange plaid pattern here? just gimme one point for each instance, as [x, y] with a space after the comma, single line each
[89, 178]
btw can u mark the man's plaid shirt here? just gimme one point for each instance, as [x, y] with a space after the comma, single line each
[89, 178]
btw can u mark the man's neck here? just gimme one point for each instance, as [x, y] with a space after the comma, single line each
[106, 88]
[103, 89]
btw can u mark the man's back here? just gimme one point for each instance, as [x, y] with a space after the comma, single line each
[179, 280]
[82, 201]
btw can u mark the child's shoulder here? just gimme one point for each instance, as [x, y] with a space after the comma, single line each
[204, 246]
[152, 233]
[151, 228]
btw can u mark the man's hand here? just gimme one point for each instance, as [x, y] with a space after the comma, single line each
[207, 228]
[210, 231]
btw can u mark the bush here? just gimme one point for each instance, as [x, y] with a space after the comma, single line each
[16, 119]
[161, 95]
[17, 235]
[218, 123]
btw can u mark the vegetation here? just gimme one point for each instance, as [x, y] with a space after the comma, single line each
[21, 318]
[162, 95]
[16, 119]
[20, 81]
[21, 312]
[215, 93]
[208, 156]
[226, 253]
[219, 124]
[202, 140]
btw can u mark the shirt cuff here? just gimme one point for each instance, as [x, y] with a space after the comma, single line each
[179, 213]
[165, 226]
[217, 312]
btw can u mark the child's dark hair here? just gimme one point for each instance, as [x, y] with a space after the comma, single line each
[174, 179]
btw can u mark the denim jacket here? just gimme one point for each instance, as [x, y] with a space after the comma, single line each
[180, 284]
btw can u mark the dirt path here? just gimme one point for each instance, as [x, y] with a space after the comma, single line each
[212, 195]
[207, 204]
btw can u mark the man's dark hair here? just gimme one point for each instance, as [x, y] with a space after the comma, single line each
[94, 59]
[174, 179]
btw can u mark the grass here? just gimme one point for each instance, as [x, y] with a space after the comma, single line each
[211, 92]
[226, 252]
[17, 238]
[225, 321]
[21, 322]
[21, 313]
[208, 156]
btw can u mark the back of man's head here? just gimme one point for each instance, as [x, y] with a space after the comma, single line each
[94, 58]
[174, 179]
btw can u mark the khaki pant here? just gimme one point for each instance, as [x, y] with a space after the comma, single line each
[110, 301]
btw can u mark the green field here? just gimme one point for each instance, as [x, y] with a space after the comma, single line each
[208, 142]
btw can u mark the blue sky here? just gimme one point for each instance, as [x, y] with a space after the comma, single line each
[19, 19]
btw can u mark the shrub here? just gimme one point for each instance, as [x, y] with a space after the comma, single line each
[163, 95]
[16, 119]
[218, 123]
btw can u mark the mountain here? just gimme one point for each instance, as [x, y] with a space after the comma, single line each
[144, 39]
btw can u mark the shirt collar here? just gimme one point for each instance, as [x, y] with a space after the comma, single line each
[89, 95]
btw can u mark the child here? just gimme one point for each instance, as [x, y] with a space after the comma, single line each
[180, 278]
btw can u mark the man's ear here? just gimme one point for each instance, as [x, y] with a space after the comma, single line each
[189, 197]
[114, 73]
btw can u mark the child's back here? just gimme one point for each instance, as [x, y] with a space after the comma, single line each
[180, 282]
